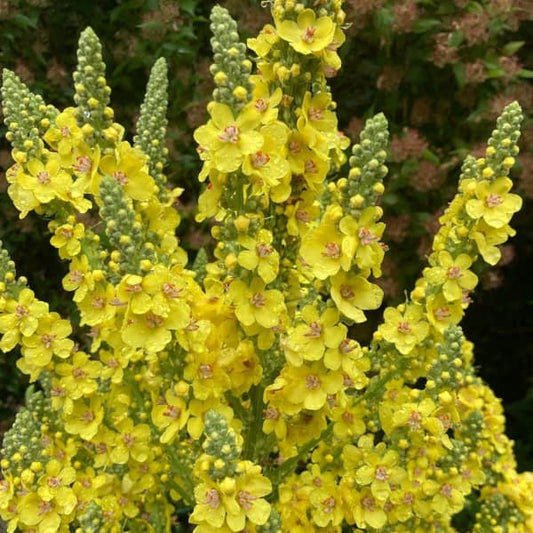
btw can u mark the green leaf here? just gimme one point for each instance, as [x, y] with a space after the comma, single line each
[459, 73]
[511, 48]
[24, 21]
[426, 25]
[525, 73]
[188, 6]
[456, 39]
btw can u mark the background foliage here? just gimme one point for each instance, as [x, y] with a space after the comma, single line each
[440, 70]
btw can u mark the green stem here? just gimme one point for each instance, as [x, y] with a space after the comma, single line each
[255, 426]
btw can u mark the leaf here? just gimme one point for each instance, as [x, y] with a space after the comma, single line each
[188, 6]
[511, 48]
[24, 21]
[426, 25]
[456, 39]
[525, 73]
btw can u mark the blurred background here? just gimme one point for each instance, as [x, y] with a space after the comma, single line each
[441, 71]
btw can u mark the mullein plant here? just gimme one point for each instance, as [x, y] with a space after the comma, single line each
[231, 395]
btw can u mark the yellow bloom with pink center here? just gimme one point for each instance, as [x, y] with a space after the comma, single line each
[131, 441]
[354, 294]
[169, 413]
[310, 339]
[441, 313]
[493, 203]
[404, 326]
[453, 274]
[260, 254]
[307, 35]
[79, 376]
[127, 166]
[228, 139]
[255, 304]
[45, 180]
[309, 385]
[20, 317]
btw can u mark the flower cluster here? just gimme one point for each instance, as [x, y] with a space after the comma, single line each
[235, 392]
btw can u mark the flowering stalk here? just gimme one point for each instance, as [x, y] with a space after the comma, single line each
[237, 394]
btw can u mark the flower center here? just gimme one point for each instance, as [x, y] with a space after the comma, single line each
[303, 216]
[205, 371]
[264, 250]
[245, 499]
[404, 327]
[128, 439]
[308, 35]
[414, 420]
[365, 237]
[172, 412]
[79, 373]
[315, 330]
[258, 299]
[84, 164]
[43, 177]
[454, 272]
[120, 177]
[65, 131]
[381, 473]
[170, 291]
[271, 413]
[310, 167]
[261, 105]
[446, 490]
[368, 503]
[230, 134]
[329, 505]
[212, 498]
[493, 200]
[333, 250]
[153, 321]
[87, 416]
[21, 311]
[442, 313]
[294, 147]
[312, 382]
[316, 114]
[54, 482]
[346, 292]
[260, 159]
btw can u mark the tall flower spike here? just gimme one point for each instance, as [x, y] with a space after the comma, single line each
[367, 168]
[231, 68]
[123, 230]
[26, 116]
[152, 123]
[92, 92]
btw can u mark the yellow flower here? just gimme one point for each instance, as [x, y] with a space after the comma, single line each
[308, 35]
[308, 386]
[98, 304]
[353, 293]
[55, 484]
[262, 44]
[267, 167]
[127, 166]
[318, 122]
[441, 313]
[452, 274]
[150, 330]
[85, 417]
[20, 317]
[65, 134]
[169, 413]
[67, 239]
[405, 327]
[308, 341]
[229, 139]
[79, 377]
[45, 181]
[131, 441]
[264, 102]
[255, 304]
[494, 204]
[48, 339]
[321, 250]
[380, 470]
[260, 255]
